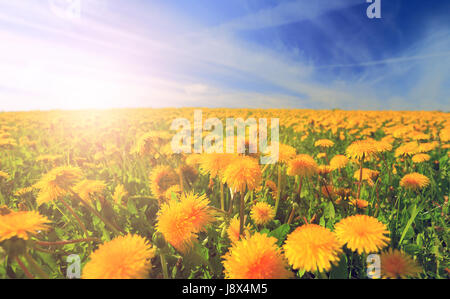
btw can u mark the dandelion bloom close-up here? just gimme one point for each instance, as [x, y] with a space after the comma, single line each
[243, 173]
[338, 162]
[87, 189]
[261, 213]
[255, 257]
[414, 181]
[22, 224]
[181, 220]
[56, 183]
[302, 165]
[420, 158]
[361, 148]
[325, 143]
[397, 264]
[215, 164]
[313, 248]
[125, 257]
[362, 233]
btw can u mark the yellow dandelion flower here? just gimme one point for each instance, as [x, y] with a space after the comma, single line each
[161, 178]
[414, 181]
[87, 189]
[180, 220]
[362, 233]
[419, 136]
[56, 183]
[408, 149]
[262, 213]
[119, 194]
[285, 153]
[383, 146]
[255, 257]
[215, 164]
[419, 158]
[397, 264]
[444, 135]
[4, 175]
[360, 203]
[427, 147]
[124, 257]
[7, 143]
[302, 165]
[367, 174]
[324, 169]
[21, 224]
[361, 148]
[324, 143]
[312, 247]
[321, 155]
[338, 162]
[23, 191]
[243, 173]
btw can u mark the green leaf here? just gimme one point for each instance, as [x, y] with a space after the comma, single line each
[340, 271]
[131, 207]
[414, 213]
[280, 233]
[197, 256]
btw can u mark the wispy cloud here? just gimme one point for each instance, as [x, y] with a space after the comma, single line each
[104, 59]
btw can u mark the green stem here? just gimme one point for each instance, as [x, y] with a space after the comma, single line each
[278, 190]
[164, 265]
[86, 235]
[241, 216]
[24, 268]
[360, 177]
[35, 266]
[222, 200]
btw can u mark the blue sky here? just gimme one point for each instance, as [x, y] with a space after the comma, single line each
[322, 54]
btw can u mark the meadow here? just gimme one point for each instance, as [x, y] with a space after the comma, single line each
[101, 194]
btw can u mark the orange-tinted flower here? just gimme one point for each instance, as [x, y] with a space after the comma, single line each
[255, 257]
[302, 165]
[125, 257]
[262, 213]
[414, 181]
[21, 224]
[312, 247]
[361, 148]
[338, 162]
[243, 173]
[181, 220]
[397, 264]
[362, 233]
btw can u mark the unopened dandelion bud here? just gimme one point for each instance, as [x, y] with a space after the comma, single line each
[158, 240]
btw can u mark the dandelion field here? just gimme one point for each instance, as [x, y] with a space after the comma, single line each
[105, 186]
